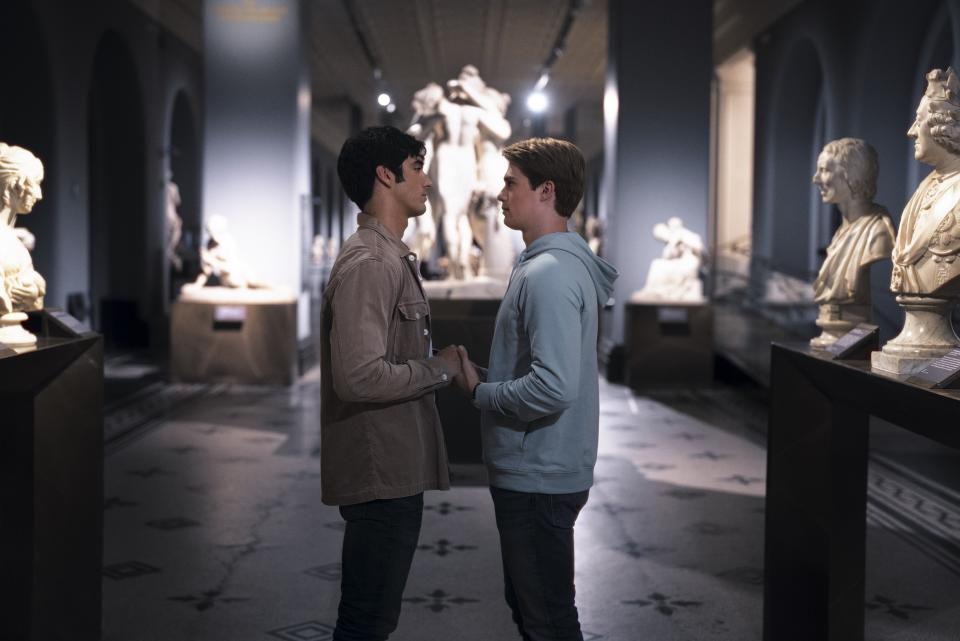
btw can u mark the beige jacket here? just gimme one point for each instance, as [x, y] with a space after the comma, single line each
[380, 431]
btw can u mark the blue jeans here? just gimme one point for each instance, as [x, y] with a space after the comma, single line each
[536, 543]
[378, 545]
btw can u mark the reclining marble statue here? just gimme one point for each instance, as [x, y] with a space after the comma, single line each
[675, 276]
[847, 177]
[220, 258]
[21, 287]
[926, 272]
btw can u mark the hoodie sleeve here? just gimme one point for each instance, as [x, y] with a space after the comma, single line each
[550, 307]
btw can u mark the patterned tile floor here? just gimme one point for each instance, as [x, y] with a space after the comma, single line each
[215, 531]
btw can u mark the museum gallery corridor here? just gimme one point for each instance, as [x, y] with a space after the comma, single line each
[214, 529]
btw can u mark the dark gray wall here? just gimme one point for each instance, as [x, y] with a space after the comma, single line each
[657, 142]
[871, 58]
[58, 97]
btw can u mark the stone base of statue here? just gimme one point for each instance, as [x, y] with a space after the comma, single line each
[51, 482]
[467, 322]
[668, 343]
[477, 288]
[12, 333]
[234, 335]
[927, 335]
[836, 320]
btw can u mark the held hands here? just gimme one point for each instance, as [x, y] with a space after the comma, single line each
[451, 358]
[469, 377]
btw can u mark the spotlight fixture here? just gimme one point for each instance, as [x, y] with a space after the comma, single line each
[537, 102]
[384, 99]
[391, 108]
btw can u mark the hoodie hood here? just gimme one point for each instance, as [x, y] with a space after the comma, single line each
[601, 272]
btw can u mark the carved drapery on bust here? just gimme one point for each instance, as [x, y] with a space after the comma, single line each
[846, 176]
[926, 273]
[21, 287]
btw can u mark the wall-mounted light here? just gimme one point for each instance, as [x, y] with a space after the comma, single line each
[384, 99]
[391, 108]
[537, 102]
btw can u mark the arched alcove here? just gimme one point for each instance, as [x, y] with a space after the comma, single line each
[184, 165]
[937, 52]
[26, 118]
[117, 157]
[799, 132]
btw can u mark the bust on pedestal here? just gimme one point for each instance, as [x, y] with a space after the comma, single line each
[847, 177]
[21, 287]
[926, 273]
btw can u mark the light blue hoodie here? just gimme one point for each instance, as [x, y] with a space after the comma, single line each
[541, 402]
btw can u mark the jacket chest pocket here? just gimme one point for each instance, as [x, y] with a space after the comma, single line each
[412, 339]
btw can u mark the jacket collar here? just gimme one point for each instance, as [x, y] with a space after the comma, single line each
[369, 222]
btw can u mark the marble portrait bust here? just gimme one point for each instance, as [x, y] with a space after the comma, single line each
[846, 176]
[21, 287]
[926, 272]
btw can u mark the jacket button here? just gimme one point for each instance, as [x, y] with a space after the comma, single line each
[411, 257]
[443, 377]
[426, 332]
[417, 315]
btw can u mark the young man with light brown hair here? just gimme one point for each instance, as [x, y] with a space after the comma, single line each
[540, 401]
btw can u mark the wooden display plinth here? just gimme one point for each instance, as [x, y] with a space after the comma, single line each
[669, 344]
[234, 342]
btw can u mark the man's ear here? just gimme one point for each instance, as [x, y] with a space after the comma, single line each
[547, 190]
[385, 176]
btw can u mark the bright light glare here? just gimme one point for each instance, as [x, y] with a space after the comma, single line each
[384, 99]
[537, 102]
[391, 108]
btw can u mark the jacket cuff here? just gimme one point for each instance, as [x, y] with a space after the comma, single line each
[440, 371]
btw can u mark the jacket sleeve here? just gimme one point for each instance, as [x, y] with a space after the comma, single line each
[363, 307]
[550, 308]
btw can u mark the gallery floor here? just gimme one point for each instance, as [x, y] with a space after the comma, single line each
[215, 531]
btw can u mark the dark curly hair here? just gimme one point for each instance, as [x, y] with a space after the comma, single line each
[373, 147]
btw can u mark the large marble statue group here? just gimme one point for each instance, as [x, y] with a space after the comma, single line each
[464, 128]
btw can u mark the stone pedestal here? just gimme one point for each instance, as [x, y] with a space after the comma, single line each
[927, 335]
[837, 320]
[469, 323]
[235, 341]
[669, 344]
[12, 333]
[51, 482]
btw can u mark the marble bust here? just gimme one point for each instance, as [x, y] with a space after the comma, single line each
[675, 276]
[21, 287]
[847, 177]
[926, 273]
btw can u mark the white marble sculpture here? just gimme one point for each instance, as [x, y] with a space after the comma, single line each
[174, 224]
[464, 127]
[675, 276]
[421, 233]
[847, 177]
[926, 272]
[220, 257]
[21, 287]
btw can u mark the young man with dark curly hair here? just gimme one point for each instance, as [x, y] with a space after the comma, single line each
[381, 441]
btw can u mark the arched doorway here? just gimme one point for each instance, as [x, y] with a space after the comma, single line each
[184, 164]
[26, 120]
[800, 130]
[118, 225]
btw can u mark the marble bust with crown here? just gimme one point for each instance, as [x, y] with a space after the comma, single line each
[926, 272]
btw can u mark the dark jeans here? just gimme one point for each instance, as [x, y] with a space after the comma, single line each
[378, 545]
[536, 543]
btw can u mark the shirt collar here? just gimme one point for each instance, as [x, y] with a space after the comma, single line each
[369, 222]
